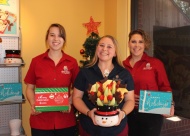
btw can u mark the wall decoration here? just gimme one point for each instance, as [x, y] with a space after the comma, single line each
[92, 26]
[183, 6]
[9, 18]
[90, 42]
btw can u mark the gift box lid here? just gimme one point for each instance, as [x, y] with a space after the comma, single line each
[51, 99]
[156, 102]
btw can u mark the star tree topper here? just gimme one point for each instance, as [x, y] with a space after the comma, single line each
[92, 26]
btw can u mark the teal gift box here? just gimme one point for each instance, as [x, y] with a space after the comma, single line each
[10, 92]
[156, 102]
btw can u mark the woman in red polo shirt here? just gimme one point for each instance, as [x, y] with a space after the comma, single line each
[52, 69]
[148, 74]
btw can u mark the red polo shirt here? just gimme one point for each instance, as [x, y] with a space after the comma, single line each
[44, 74]
[148, 74]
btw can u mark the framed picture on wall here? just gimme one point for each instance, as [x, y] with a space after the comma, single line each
[9, 18]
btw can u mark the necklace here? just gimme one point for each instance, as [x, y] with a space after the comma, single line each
[106, 72]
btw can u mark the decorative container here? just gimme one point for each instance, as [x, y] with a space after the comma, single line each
[107, 95]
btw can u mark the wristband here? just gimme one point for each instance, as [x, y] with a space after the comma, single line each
[124, 114]
[173, 103]
[87, 112]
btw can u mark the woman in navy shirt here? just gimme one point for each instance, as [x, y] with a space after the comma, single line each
[105, 63]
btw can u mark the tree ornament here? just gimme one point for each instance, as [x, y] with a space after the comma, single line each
[82, 51]
[92, 26]
[89, 47]
[88, 58]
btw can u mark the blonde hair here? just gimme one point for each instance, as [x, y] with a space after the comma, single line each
[115, 59]
[145, 36]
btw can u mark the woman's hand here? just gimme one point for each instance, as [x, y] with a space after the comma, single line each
[33, 110]
[121, 116]
[30, 95]
[90, 114]
[171, 112]
[70, 105]
[136, 100]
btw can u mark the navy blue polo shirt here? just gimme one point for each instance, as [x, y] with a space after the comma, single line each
[91, 75]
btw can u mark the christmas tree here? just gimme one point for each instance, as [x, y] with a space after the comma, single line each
[90, 43]
[90, 47]
[88, 50]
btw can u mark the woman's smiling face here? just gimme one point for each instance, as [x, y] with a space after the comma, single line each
[136, 45]
[106, 49]
[55, 41]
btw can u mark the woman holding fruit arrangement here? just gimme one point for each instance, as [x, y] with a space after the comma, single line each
[148, 74]
[101, 84]
[52, 69]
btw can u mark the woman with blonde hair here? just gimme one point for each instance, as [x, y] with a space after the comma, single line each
[105, 63]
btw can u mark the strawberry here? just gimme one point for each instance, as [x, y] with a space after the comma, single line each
[101, 97]
[100, 89]
[110, 85]
[92, 93]
[109, 97]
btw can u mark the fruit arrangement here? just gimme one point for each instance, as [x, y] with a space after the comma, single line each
[107, 93]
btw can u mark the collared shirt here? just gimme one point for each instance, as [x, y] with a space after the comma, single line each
[148, 74]
[91, 75]
[44, 74]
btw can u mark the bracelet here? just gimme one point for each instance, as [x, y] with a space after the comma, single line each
[173, 103]
[87, 112]
[124, 114]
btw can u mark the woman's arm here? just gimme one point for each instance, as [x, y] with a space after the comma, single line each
[78, 102]
[163, 84]
[81, 106]
[30, 95]
[129, 102]
[128, 105]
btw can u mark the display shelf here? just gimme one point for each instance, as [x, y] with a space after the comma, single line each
[10, 134]
[10, 73]
[12, 102]
[2, 64]
[11, 64]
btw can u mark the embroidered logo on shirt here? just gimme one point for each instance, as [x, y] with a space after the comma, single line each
[117, 78]
[148, 67]
[65, 70]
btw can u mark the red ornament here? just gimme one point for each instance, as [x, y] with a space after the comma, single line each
[82, 51]
[92, 26]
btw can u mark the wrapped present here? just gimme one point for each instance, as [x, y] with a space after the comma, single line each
[156, 102]
[51, 99]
